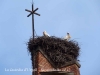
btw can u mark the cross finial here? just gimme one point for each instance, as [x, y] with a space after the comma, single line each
[32, 12]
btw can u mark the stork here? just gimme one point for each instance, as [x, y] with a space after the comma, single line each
[67, 37]
[46, 34]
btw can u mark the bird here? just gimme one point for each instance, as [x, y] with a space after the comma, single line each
[67, 37]
[45, 34]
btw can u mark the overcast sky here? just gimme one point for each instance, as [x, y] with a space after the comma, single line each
[81, 18]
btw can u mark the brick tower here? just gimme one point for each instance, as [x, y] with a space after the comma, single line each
[54, 54]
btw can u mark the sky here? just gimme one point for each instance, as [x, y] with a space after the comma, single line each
[81, 18]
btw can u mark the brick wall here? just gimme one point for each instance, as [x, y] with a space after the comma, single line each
[43, 66]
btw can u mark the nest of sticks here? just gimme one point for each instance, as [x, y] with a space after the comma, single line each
[59, 51]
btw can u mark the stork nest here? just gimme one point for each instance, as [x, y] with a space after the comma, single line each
[59, 51]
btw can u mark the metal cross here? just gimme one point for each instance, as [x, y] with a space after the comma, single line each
[32, 13]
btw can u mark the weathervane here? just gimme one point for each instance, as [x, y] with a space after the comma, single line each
[32, 13]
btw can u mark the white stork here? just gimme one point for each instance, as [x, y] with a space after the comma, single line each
[67, 37]
[46, 34]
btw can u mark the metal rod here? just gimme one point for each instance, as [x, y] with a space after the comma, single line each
[33, 57]
[28, 10]
[33, 21]
[33, 39]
